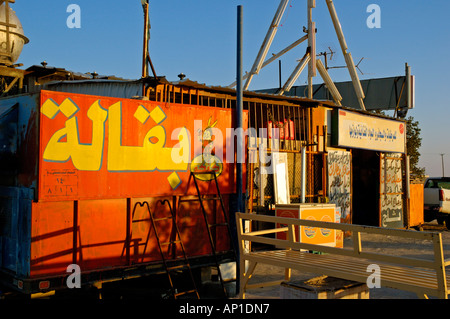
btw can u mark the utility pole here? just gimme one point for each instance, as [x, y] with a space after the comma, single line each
[442, 160]
[146, 60]
[312, 47]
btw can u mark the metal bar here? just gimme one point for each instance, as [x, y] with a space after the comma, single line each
[128, 238]
[75, 233]
[347, 55]
[311, 47]
[145, 44]
[211, 239]
[239, 106]
[275, 56]
[267, 41]
[408, 86]
[10, 86]
[329, 82]
[151, 64]
[303, 175]
[295, 74]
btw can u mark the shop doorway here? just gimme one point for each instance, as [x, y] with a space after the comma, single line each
[366, 187]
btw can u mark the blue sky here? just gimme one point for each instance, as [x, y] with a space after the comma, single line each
[198, 38]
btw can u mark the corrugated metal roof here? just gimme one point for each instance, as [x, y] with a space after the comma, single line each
[110, 88]
[294, 99]
[121, 88]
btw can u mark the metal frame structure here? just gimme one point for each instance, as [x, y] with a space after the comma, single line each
[310, 57]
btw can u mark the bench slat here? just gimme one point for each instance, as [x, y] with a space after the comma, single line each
[347, 263]
[313, 263]
[357, 263]
[340, 251]
[422, 235]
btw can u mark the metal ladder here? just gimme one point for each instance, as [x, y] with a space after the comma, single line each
[218, 196]
[172, 242]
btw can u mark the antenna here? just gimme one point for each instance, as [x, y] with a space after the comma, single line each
[325, 55]
[344, 66]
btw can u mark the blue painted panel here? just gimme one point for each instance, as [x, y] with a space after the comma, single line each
[19, 157]
[19, 140]
[15, 229]
[26, 196]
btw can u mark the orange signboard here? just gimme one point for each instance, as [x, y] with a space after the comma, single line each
[314, 235]
[100, 147]
[317, 212]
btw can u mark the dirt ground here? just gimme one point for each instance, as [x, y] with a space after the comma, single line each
[374, 243]
[212, 290]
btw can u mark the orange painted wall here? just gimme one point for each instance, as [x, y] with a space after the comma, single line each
[416, 205]
[51, 237]
[101, 233]
[84, 211]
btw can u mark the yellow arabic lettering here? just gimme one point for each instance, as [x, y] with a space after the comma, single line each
[86, 157]
[152, 155]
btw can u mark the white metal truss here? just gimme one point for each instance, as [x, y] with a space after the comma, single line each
[309, 58]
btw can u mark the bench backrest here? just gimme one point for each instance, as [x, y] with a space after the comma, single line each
[289, 224]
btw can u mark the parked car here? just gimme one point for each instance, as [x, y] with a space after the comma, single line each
[436, 200]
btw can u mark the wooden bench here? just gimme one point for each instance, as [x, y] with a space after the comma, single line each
[421, 276]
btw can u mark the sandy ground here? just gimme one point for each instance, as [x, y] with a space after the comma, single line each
[374, 243]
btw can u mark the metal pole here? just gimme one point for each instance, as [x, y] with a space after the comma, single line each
[279, 73]
[240, 142]
[442, 159]
[303, 181]
[239, 106]
[409, 86]
[408, 177]
[145, 45]
[312, 48]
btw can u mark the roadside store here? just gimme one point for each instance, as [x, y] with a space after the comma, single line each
[354, 159]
